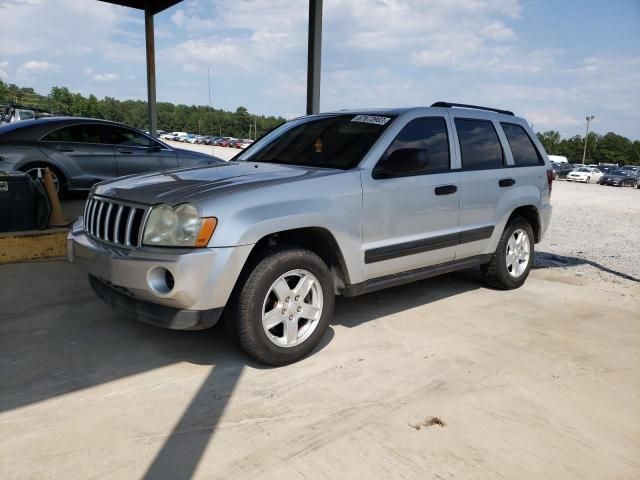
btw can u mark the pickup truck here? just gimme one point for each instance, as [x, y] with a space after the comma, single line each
[340, 203]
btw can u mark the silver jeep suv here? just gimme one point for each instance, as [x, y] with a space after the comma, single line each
[342, 203]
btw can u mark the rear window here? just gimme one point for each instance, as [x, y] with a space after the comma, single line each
[479, 144]
[523, 150]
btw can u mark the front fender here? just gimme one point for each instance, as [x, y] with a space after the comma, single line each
[333, 202]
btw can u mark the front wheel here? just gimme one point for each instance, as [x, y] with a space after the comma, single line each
[36, 171]
[511, 262]
[284, 307]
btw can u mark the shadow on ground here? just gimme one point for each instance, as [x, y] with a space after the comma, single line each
[56, 337]
[552, 260]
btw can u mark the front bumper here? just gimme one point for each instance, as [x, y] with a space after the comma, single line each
[174, 288]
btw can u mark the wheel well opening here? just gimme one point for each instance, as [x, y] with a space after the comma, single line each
[316, 239]
[530, 213]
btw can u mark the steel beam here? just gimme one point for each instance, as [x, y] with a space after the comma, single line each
[314, 53]
[151, 69]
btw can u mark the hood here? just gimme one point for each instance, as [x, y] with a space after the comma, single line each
[195, 184]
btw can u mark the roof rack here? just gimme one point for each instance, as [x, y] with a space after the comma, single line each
[475, 107]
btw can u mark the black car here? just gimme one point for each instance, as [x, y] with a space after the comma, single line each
[561, 170]
[619, 178]
[82, 151]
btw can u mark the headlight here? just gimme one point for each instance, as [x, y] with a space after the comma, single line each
[178, 226]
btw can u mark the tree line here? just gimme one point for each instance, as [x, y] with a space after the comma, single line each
[608, 148]
[197, 119]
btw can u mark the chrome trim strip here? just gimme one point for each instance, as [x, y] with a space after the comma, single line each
[98, 218]
[127, 232]
[106, 222]
[116, 234]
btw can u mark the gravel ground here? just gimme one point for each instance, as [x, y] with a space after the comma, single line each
[594, 232]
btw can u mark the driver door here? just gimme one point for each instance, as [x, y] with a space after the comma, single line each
[410, 218]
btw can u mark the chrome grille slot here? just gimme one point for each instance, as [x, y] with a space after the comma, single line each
[115, 222]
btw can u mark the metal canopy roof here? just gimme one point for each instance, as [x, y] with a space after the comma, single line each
[154, 6]
[151, 7]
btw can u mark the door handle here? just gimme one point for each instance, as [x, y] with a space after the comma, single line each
[64, 149]
[126, 152]
[506, 182]
[446, 189]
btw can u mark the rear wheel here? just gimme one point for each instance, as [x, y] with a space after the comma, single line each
[283, 308]
[511, 263]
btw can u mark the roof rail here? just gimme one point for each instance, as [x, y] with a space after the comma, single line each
[475, 107]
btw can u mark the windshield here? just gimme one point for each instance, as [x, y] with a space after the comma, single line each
[328, 141]
[25, 114]
[585, 170]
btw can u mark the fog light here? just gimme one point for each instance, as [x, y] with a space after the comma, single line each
[160, 280]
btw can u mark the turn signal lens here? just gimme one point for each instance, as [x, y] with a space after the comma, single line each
[206, 231]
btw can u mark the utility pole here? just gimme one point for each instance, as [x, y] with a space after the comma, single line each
[588, 118]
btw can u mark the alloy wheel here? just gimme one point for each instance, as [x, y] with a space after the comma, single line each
[518, 253]
[292, 308]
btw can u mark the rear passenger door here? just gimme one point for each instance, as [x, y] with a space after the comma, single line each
[484, 180]
[79, 149]
[411, 201]
[526, 167]
[137, 153]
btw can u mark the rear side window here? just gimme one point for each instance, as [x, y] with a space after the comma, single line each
[428, 134]
[523, 150]
[479, 144]
[76, 134]
[129, 138]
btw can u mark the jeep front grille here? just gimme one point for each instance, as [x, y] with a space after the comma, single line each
[115, 222]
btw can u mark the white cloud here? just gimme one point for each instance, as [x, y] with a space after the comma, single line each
[37, 66]
[178, 18]
[4, 69]
[106, 77]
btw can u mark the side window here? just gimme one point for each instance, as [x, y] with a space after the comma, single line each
[76, 134]
[127, 138]
[523, 150]
[479, 144]
[421, 147]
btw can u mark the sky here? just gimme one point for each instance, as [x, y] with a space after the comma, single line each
[551, 61]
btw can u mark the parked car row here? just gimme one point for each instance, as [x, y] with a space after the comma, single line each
[184, 137]
[626, 175]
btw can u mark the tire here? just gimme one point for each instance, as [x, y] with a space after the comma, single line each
[588, 179]
[270, 288]
[58, 178]
[498, 273]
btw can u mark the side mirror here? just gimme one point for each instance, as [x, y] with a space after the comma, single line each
[402, 163]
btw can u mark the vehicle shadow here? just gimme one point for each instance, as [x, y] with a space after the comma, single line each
[552, 260]
[351, 312]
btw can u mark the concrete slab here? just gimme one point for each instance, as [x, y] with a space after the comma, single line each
[541, 382]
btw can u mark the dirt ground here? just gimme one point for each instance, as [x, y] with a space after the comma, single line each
[440, 379]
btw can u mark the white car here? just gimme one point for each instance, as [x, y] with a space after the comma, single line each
[584, 174]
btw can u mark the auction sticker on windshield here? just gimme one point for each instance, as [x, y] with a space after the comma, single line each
[371, 119]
